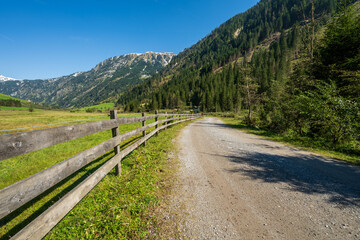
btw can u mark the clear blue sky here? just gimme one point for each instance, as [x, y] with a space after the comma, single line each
[51, 38]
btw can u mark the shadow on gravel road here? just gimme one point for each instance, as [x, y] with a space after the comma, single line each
[309, 174]
[306, 174]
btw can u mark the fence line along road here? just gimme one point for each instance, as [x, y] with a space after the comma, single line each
[15, 144]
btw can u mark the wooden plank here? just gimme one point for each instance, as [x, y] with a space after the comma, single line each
[135, 145]
[15, 144]
[18, 194]
[156, 119]
[115, 132]
[38, 228]
[169, 114]
[144, 132]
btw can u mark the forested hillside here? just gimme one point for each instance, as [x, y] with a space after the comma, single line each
[10, 101]
[293, 66]
[260, 28]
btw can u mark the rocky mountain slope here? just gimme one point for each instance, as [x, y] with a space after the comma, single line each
[109, 78]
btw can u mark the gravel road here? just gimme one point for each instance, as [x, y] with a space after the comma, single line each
[239, 186]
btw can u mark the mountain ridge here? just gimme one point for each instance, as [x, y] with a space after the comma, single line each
[108, 78]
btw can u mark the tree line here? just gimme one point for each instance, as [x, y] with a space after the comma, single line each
[305, 82]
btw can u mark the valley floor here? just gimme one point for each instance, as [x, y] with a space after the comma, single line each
[235, 185]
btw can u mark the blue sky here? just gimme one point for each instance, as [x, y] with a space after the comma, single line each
[51, 38]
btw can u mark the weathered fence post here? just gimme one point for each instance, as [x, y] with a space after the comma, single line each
[156, 119]
[143, 124]
[166, 117]
[115, 132]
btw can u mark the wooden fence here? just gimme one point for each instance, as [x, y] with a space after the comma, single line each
[14, 144]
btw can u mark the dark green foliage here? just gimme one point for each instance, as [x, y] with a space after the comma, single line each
[339, 53]
[323, 114]
[132, 106]
[276, 63]
[10, 103]
[323, 97]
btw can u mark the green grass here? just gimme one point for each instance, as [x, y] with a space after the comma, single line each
[19, 108]
[21, 119]
[14, 169]
[6, 97]
[119, 207]
[101, 107]
[124, 207]
[303, 143]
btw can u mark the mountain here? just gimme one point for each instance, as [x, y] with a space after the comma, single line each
[288, 66]
[109, 78]
[255, 37]
[4, 79]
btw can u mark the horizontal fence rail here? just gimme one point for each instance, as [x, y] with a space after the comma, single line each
[20, 193]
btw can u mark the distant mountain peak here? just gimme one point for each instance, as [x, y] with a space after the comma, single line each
[3, 78]
[129, 59]
[151, 52]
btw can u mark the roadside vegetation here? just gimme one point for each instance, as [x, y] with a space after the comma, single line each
[349, 152]
[126, 207]
[318, 105]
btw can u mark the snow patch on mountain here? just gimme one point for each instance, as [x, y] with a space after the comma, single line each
[3, 78]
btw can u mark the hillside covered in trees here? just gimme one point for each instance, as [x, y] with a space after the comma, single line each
[256, 32]
[292, 66]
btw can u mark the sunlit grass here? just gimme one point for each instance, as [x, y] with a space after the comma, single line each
[123, 207]
[101, 107]
[21, 119]
[17, 168]
[19, 108]
[6, 97]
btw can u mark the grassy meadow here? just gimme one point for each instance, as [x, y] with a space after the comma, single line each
[101, 107]
[21, 118]
[19, 108]
[117, 207]
[6, 97]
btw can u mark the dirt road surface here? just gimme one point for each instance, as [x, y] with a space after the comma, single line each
[239, 186]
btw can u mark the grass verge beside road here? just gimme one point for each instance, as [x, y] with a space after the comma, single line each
[303, 143]
[117, 208]
[125, 207]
